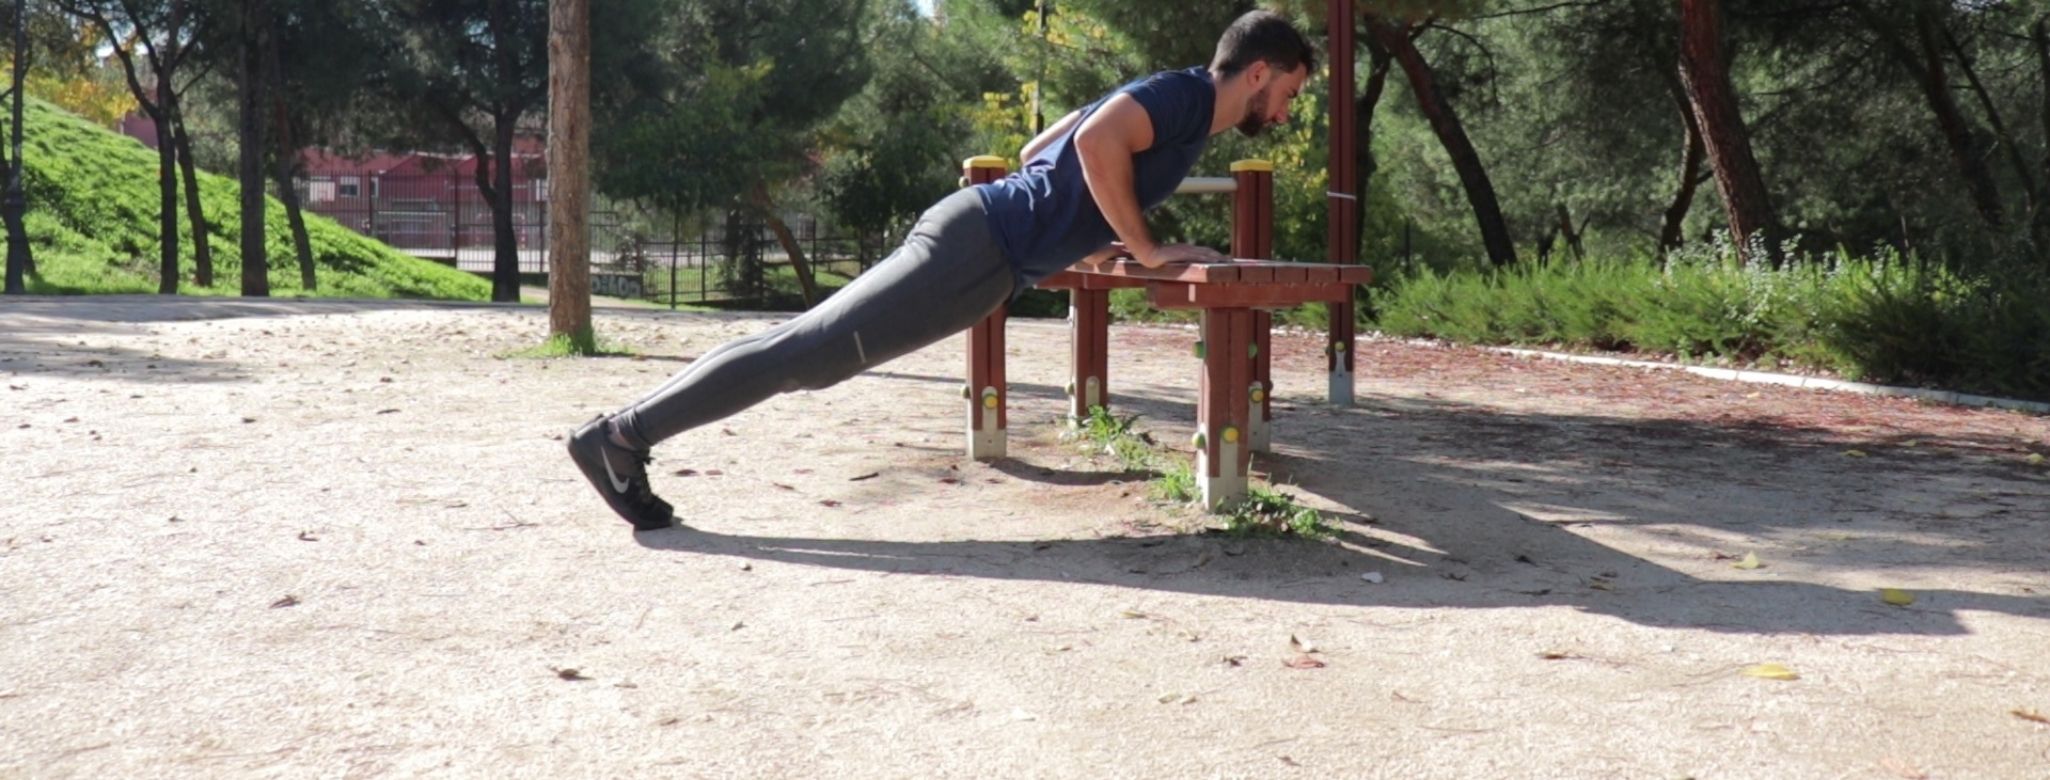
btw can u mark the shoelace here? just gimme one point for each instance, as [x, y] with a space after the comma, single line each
[643, 488]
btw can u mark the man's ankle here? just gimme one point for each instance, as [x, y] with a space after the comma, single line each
[620, 433]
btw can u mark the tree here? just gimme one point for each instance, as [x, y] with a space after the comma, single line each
[19, 257]
[477, 68]
[158, 28]
[569, 143]
[747, 91]
[1704, 70]
[254, 30]
[1398, 38]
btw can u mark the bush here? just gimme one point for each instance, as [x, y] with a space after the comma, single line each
[1887, 317]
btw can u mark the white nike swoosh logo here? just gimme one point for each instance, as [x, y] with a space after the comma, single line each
[618, 484]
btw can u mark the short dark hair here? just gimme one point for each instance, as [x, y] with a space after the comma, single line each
[1262, 36]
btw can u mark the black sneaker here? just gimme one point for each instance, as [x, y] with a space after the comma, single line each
[621, 475]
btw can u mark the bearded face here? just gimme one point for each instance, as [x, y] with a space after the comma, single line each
[1255, 121]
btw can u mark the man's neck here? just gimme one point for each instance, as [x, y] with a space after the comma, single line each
[1230, 104]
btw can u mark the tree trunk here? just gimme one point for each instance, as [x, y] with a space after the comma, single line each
[758, 198]
[1691, 156]
[1571, 233]
[1926, 66]
[1480, 191]
[255, 263]
[302, 244]
[505, 245]
[20, 259]
[202, 242]
[569, 181]
[1705, 73]
[2040, 34]
[286, 165]
[1993, 119]
[1363, 119]
[167, 193]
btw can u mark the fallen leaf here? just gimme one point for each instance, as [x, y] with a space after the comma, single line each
[287, 601]
[1301, 645]
[1854, 453]
[2030, 715]
[387, 411]
[829, 503]
[1303, 662]
[1373, 577]
[307, 536]
[1556, 655]
[249, 419]
[783, 486]
[2036, 459]
[1234, 660]
[1601, 585]
[1132, 614]
[1750, 562]
[949, 481]
[870, 475]
[568, 674]
[714, 473]
[1896, 596]
[1289, 761]
[1770, 672]
[686, 472]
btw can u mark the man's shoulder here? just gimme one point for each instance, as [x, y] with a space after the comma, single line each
[1185, 78]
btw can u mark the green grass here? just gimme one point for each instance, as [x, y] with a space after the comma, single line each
[1264, 512]
[1885, 318]
[564, 346]
[92, 219]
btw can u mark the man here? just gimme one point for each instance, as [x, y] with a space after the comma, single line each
[1079, 197]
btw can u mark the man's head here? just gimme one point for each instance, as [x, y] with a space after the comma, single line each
[1271, 59]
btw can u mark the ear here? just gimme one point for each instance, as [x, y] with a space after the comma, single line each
[1258, 74]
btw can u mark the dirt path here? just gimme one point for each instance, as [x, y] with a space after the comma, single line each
[341, 540]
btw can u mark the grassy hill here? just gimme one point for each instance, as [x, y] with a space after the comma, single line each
[92, 216]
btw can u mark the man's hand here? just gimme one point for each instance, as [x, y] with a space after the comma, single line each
[1165, 254]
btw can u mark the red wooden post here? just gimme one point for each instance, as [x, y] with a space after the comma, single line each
[1344, 195]
[1223, 409]
[985, 391]
[1089, 333]
[1252, 238]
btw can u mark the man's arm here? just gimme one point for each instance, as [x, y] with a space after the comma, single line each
[1106, 144]
[1046, 137]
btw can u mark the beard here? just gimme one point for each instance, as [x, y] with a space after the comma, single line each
[1254, 123]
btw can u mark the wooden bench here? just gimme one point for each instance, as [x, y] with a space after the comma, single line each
[1235, 400]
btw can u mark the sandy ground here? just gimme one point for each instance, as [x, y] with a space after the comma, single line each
[330, 539]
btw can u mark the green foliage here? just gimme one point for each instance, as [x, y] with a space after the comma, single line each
[1113, 435]
[1270, 512]
[561, 346]
[93, 219]
[1884, 318]
[1177, 483]
[747, 86]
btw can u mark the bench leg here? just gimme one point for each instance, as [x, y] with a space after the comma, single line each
[1089, 333]
[985, 392]
[1224, 407]
[1260, 434]
[1340, 352]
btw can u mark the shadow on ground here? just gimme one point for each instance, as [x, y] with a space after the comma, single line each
[1501, 509]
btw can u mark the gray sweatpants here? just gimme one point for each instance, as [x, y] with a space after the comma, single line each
[947, 276]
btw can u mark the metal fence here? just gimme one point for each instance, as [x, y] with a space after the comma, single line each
[446, 219]
[742, 262]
